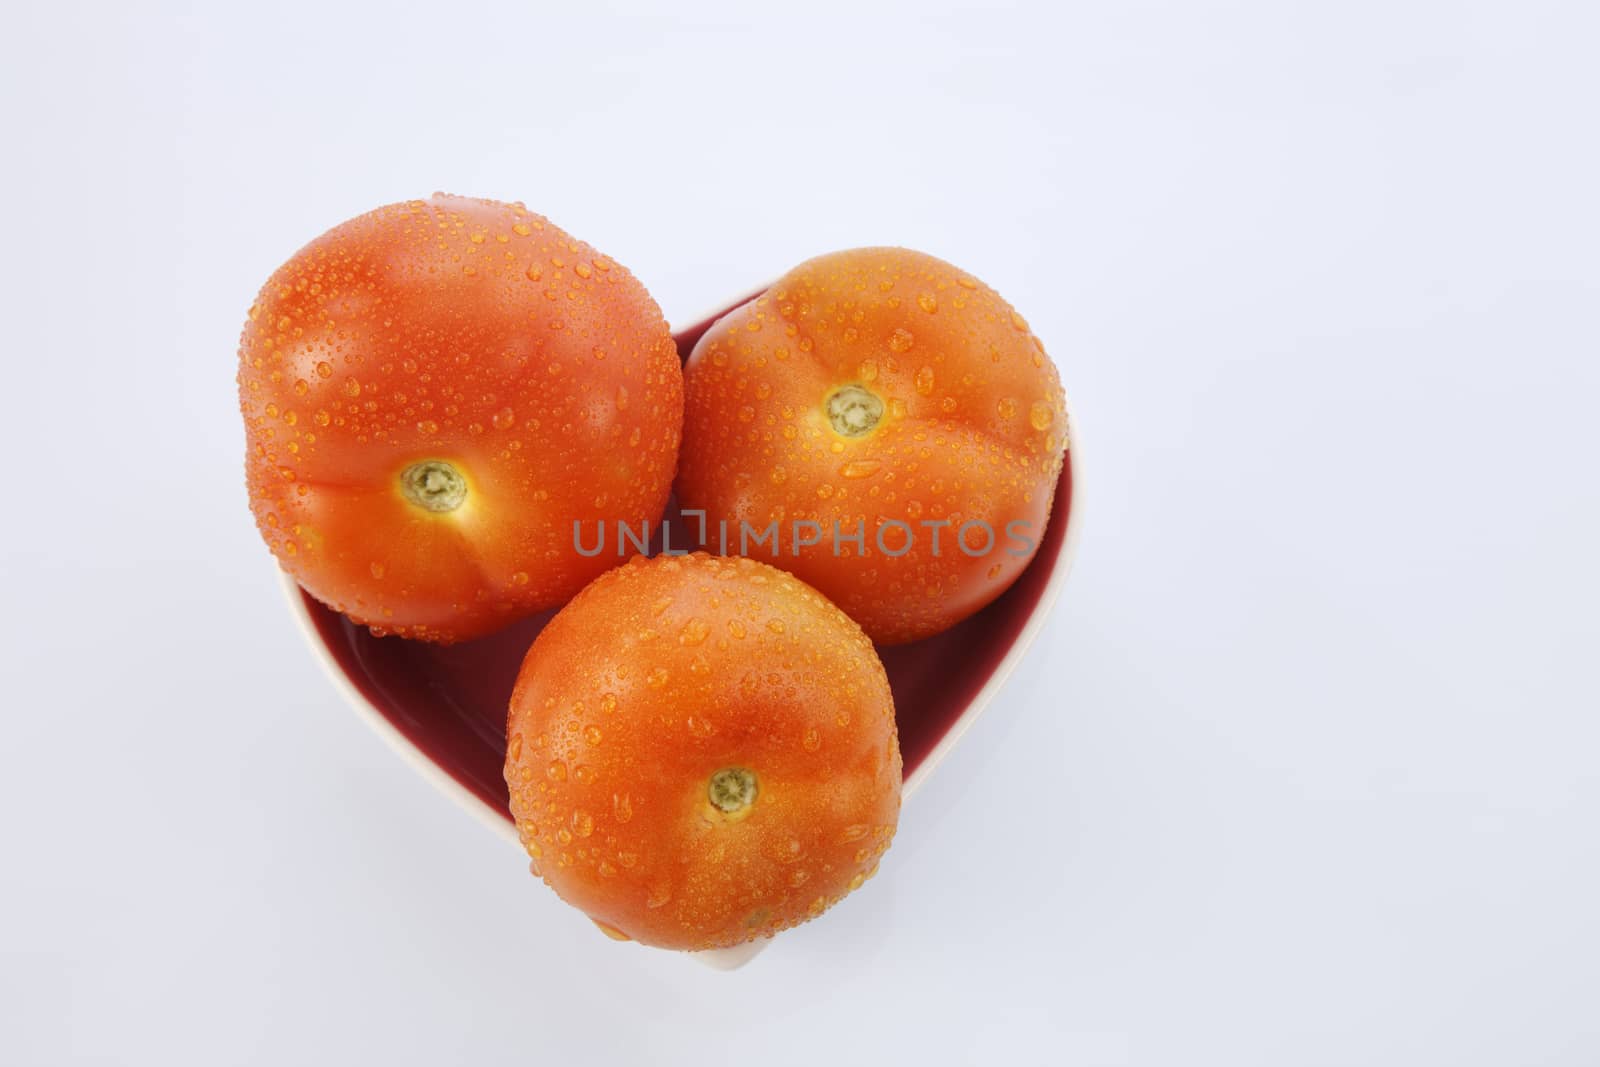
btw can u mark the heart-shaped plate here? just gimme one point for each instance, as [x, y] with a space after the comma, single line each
[443, 708]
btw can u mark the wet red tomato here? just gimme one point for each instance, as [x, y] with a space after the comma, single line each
[883, 425]
[702, 751]
[433, 394]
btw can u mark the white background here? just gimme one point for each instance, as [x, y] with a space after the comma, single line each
[1304, 769]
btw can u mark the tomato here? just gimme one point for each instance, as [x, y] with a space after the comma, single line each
[702, 751]
[433, 394]
[891, 409]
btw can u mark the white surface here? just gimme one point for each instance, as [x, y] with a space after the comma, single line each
[1303, 771]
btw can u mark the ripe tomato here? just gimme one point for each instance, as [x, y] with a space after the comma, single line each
[702, 751]
[886, 396]
[433, 393]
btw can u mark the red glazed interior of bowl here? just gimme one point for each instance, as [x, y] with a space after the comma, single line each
[450, 702]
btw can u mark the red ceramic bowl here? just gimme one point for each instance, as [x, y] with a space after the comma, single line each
[443, 708]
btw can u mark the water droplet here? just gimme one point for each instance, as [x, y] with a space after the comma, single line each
[504, 419]
[592, 734]
[694, 631]
[324, 369]
[610, 931]
[582, 270]
[901, 340]
[924, 381]
[656, 678]
[557, 771]
[860, 468]
[582, 823]
[622, 809]
[812, 740]
[736, 628]
[966, 282]
[377, 569]
[928, 302]
[1040, 416]
[868, 370]
[1007, 407]
[1019, 322]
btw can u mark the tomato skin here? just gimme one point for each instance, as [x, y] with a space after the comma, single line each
[972, 428]
[656, 677]
[471, 332]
